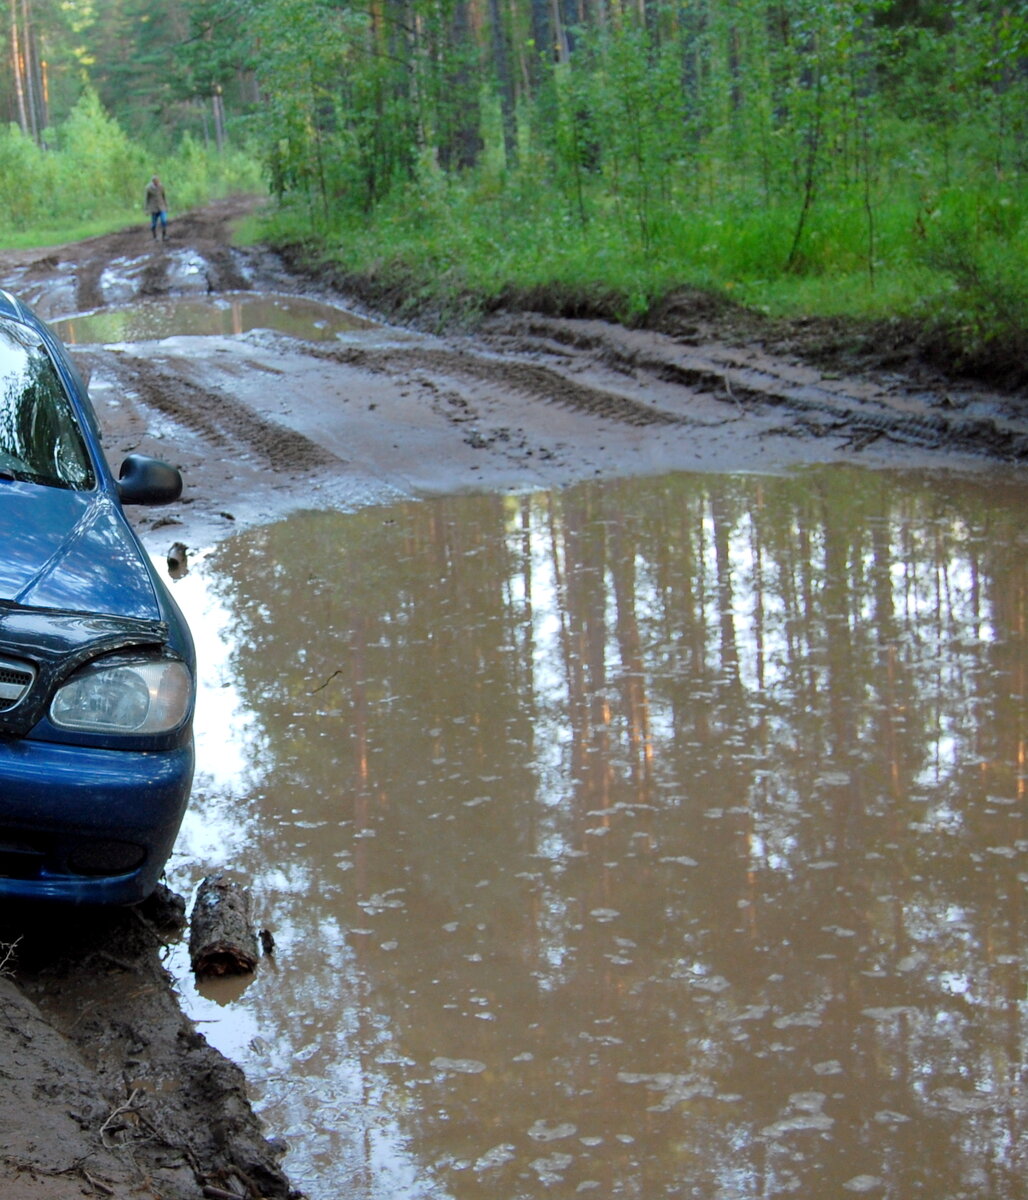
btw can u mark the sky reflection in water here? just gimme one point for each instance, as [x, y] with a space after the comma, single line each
[654, 838]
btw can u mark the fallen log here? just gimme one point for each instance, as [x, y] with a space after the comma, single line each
[222, 940]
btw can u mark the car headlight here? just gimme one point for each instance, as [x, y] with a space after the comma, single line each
[145, 697]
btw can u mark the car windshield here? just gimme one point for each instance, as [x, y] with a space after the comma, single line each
[40, 438]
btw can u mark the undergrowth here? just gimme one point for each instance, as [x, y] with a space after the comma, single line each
[953, 264]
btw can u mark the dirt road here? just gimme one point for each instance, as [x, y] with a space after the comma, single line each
[107, 1090]
[260, 422]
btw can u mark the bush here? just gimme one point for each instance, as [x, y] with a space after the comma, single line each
[98, 169]
[27, 187]
[979, 316]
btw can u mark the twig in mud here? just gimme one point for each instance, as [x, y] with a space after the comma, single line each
[95, 1184]
[740, 405]
[127, 1107]
[7, 950]
[861, 439]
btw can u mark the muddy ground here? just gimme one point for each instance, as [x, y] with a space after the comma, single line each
[107, 1090]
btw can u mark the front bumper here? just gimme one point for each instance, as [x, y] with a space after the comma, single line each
[86, 825]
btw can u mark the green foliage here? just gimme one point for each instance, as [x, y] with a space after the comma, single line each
[24, 179]
[455, 246]
[790, 155]
[197, 175]
[96, 162]
[975, 242]
[336, 124]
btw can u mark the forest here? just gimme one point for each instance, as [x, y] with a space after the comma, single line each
[858, 157]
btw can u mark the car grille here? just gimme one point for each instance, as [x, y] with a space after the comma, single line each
[15, 680]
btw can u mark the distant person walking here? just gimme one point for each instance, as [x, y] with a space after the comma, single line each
[157, 207]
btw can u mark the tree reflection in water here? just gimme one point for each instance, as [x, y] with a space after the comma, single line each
[662, 837]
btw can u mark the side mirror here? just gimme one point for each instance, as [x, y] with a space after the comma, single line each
[144, 480]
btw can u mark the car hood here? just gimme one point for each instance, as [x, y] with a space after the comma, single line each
[71, 550]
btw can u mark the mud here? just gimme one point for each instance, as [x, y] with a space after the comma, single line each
[260, 422]
[107, 1089]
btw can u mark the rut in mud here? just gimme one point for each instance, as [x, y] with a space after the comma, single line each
[217, 418]
[207, 236]
[747, 378]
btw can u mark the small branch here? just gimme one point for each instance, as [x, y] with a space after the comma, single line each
[321, 687]
[127, 1107]
[96, 1185]
[7, 951]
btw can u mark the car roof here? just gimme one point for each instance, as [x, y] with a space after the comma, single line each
[14, 309]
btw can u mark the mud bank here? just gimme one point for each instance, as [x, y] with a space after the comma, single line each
[108, 1090]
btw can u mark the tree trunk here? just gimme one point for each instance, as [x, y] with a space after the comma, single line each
[29, 71]
[505, 82]
[218, 105]
[460, 143]
[16, 69]
[542, 36]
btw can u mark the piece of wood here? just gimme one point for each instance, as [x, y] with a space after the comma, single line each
[222, 940]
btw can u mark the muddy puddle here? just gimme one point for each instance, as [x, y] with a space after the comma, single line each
[648, 838]
[224, 315]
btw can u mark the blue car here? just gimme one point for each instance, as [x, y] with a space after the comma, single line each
[97, 669]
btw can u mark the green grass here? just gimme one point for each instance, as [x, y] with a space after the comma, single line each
[42, 236]
[489, 245]
[248, 230]
[955, 266]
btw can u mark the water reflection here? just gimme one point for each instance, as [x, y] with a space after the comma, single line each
[657, 838]
[227, 313]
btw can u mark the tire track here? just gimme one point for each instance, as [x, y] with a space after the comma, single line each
[821, 408]
[214, 416]
[530, 379]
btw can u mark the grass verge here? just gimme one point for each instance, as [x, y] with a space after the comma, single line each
[948, 280]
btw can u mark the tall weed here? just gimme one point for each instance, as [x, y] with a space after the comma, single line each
[976, 246]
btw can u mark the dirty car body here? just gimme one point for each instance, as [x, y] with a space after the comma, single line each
[97, 669]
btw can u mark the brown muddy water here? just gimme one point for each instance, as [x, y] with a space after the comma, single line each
[225, 314]
[660, 838]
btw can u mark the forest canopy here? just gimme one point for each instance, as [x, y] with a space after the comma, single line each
[763, 147]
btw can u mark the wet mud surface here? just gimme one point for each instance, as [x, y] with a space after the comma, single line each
[107, 1088]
